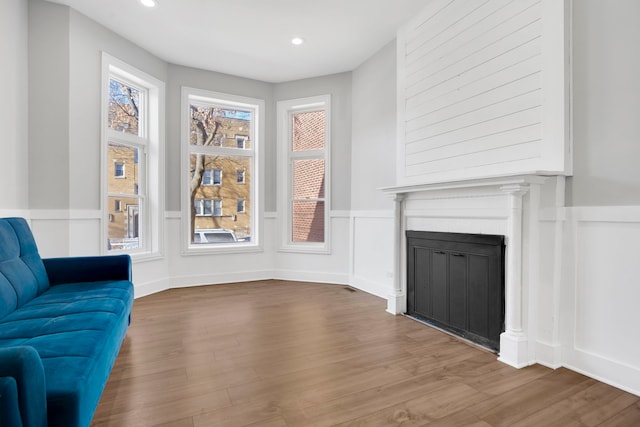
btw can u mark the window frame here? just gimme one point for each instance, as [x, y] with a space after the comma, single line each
[285, 111]
[257, 136]
[149, 157]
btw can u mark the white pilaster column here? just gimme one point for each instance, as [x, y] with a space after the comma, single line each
[397, 300]
[513, 342]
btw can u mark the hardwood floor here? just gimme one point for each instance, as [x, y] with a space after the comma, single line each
[279, 353]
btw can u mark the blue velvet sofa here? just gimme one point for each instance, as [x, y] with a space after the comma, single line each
[62, 321]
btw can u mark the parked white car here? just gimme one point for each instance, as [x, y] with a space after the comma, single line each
[214, 235]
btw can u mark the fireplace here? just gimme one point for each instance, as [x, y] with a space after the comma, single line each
[455, 281]
[506, 206]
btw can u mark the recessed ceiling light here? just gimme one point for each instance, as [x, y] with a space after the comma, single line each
[149, 3]
[297, 41]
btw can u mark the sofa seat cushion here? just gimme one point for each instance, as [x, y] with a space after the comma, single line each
[76, 329]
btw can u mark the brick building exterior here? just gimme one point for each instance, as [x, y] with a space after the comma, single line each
[223, 199]
[308, 213]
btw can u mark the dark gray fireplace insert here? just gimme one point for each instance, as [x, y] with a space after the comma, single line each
[455, 281]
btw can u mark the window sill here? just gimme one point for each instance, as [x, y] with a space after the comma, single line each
[325, 249]
[138, 257]
[221, 249]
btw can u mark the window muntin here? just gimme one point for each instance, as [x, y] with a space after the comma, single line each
[222, 134]
[303, 134]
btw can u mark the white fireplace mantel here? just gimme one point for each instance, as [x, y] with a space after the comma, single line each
[504, 205]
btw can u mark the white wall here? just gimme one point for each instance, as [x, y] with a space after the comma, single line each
[606, 105]
[373, 167]
[14, 107]
[373, 130]
[48, 106]
[599, 289]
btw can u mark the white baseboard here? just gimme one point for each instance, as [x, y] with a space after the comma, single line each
[149, 288]
[549, 355]
[311, 276]
[369, 286]
[217, 279]
[603, 369]
[513, 350]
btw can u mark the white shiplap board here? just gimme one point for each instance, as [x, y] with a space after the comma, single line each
[478, 86]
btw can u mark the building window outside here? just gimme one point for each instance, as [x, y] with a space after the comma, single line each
[131, 131]
[118, 170]
[240, 176]
[203, 207]
[240, 206]
[303, 137]
[212, 177]
[215, 153]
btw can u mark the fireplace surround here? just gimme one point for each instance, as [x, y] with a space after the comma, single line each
[508, 206]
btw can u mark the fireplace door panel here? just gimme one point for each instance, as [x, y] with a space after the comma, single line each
[456, 282]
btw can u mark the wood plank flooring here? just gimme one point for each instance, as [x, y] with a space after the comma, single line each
[278, 353]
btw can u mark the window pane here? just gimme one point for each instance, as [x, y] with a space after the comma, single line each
[124, 103]
[207, 177]
[124, 223]
[216, 209]
[215, 206]
[308, 179]
[220, 127]
[123, 178]
[308, 131]
[308, 221]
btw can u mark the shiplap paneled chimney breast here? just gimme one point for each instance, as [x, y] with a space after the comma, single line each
[482, 91]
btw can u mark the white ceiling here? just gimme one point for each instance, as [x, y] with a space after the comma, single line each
[251, 38]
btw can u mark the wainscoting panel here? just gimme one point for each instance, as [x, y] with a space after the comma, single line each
[602, 337]
[313, 267]
[371, 267]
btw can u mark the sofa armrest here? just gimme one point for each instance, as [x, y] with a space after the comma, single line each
[9, 403]
[88, 269]
[23, 399]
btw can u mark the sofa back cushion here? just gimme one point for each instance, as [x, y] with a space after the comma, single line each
[22, 272]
